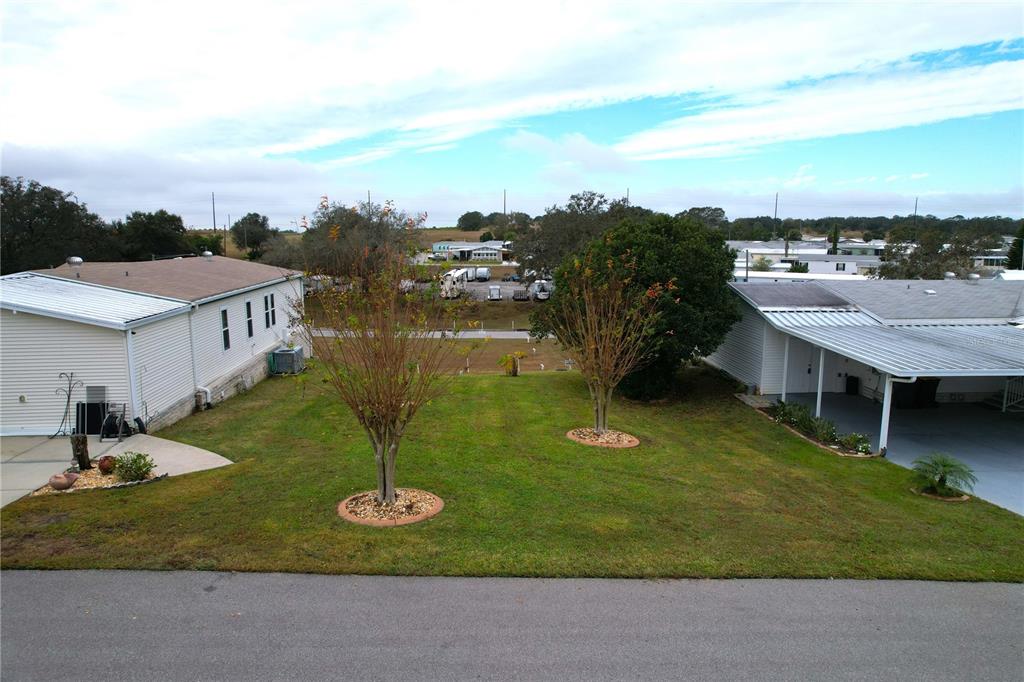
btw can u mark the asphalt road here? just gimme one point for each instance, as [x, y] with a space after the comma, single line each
[217, 626]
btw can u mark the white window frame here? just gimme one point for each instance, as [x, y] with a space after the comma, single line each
[840, 267]
[225, 330]
[250, 330]
[266, 311]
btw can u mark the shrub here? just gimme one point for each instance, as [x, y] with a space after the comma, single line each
[133, 466]
[856, 442]
[789, 413]
[942, 474]
[823, 430]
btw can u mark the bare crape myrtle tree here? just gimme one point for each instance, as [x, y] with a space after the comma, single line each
[604, 322]
[376, 347]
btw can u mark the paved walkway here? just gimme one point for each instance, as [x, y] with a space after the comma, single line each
[27, 462]
[121, 625]
[463, 334]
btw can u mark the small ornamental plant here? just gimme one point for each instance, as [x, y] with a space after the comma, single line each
[943, 475]
[511, 362]
[133, 466]
[856, 442]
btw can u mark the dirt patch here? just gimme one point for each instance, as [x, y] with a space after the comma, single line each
[608, 439]
[411, 506]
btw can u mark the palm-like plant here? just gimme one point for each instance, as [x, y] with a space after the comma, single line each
[943, 474]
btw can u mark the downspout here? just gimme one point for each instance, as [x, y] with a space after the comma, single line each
[883, 431]
[133, 393]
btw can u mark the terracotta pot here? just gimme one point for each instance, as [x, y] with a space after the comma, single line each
[105, 464]
[63, 481]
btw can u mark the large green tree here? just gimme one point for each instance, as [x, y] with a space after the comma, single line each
[343, 240]
[697, 313]
[470, 221]
[42, 226]
[147, 235]
[251, 232]
[930, 253]
[1015, 257]
[565, 230]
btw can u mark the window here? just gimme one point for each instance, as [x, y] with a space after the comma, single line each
[266, 311]
[840, 267]
[248, 317]
[225, 332]
[273, 312]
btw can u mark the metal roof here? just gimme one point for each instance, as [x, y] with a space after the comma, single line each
[790, 295]
[934, 301]
[983, 350]
[82, 302]
[819, 318]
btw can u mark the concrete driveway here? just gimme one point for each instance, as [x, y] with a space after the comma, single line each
[177, 625]
[27, 462]
[989, 441]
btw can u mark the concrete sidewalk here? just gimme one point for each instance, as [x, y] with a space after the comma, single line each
[121, 625]
[27, 462]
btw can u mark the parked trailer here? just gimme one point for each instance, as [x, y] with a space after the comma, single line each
[483, 274]
[494, 293]
[453, 283]
[520, 295]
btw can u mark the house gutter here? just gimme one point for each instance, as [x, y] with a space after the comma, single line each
[243, 290]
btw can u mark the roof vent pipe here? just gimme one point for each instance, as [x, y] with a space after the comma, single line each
[949, 275]
[973, 278]
[207, 255]
[75, 263]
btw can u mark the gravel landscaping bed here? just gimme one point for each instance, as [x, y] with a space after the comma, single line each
[411, 505]
[608, 439]
[92, 479]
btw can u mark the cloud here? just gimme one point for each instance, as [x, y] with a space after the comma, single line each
[847, 105]
[277, 78]
[572, 150]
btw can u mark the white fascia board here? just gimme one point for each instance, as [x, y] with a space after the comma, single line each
[243, 290]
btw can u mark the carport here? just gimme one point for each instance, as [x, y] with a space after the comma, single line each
[906, 354]
[990, 439]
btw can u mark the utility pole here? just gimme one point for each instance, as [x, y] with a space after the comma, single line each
[915, 217]
[775, 218]
[213, 205]
[504, 203]
[627, 196]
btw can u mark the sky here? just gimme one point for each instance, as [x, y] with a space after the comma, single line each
[840, 108]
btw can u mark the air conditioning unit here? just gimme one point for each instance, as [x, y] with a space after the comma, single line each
[287, 361]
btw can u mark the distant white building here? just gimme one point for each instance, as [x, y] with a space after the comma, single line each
[494, 250]
[148, 335]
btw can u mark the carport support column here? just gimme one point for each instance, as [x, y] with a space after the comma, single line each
[821, 381]
[785, 367]
[883, 432]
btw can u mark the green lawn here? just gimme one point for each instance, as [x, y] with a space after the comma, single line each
[714, 490]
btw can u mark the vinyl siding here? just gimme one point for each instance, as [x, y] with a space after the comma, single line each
[740, 352]
[212, 361]
[35, 349]
[163, 365]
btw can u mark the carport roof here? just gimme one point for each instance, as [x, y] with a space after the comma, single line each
[82, 302]
[955, 350]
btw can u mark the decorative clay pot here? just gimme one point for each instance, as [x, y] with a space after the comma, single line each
[105, 464]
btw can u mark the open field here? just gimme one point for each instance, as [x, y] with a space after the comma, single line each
[425, 237]
[714, 490]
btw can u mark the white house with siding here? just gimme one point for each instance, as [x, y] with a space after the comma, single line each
[959, 336]
[158, 337]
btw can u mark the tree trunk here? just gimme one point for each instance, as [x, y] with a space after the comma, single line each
[602, 399]
[80, 450]
[389, 471]
[378, 456]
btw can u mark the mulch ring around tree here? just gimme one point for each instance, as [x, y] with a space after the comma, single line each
[943, 498]
[92, 479]
[411, 506]
[608, 439]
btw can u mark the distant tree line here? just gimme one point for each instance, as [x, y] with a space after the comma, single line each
[43, 226]
[505, 226]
